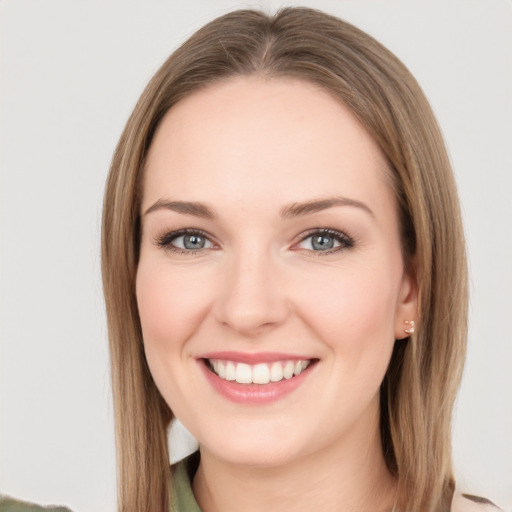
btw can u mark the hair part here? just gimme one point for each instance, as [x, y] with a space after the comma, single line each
[419, 389]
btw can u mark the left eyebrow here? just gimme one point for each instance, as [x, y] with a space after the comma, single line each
[299, 209]
[185, 207]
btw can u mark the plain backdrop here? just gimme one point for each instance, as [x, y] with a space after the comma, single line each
[71, 72]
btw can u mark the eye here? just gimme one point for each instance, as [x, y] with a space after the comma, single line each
[185, 241]
[326, 240]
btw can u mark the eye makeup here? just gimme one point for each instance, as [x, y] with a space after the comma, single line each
[187, 241]
[192, 241]
[325, 241]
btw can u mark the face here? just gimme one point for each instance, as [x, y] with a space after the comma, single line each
[271, 286]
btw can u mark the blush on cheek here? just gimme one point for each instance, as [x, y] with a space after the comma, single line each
[352, 311]
[170, 306]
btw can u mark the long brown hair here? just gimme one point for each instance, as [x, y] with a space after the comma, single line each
[419, 389]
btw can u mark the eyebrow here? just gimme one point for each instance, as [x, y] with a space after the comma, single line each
[185, 207]
[293, 210]
[299, 209]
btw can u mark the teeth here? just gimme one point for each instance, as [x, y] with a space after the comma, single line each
[243, 373]
[288, 370]
[230, 371]
[220, 369]
[261, 373]
[276, 372]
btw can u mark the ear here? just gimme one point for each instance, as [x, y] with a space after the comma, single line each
[407, 305]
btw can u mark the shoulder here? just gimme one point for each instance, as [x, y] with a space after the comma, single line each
[8, 504]
[468, 503]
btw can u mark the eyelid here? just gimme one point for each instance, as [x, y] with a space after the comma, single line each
[165, 240]
[167, 237]
[345, 240]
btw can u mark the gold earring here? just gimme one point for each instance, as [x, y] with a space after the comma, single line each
[410, 329]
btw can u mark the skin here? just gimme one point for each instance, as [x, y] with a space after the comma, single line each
[248, 148]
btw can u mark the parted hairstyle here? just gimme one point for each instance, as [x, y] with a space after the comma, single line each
[419, 388]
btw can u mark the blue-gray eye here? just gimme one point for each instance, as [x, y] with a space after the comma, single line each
[325, 241]
[193, 241]
[322, 242]
[184, 241]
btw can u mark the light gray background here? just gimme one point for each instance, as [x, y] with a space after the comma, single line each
[71, 72]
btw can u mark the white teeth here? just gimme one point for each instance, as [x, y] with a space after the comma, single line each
[261, 373]
[220, 369]
[243, 373]
[300, 366]
[276, 372]
[230, 371]
[288, 370]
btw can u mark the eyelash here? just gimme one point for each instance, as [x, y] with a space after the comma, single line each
[165, 241]
[345, 241]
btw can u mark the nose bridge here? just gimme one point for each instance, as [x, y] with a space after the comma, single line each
[251, 297]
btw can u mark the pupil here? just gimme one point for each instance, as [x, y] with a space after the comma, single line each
[193, 242]
[322, 242]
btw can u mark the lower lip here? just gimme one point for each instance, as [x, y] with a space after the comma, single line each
[254, 394]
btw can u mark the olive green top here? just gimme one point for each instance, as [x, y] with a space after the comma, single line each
[182, 498]
[8, 504]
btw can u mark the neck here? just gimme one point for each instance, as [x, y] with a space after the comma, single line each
[350, 477]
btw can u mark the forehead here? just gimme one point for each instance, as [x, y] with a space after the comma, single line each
[250, 136]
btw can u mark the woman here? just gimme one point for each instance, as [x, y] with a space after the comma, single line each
[346, 362]
[262, 141]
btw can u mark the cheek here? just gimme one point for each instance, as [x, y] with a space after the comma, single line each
[352, 309]
[171, 305]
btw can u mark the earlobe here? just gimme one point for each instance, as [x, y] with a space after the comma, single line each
[410, 326]
[406, 315]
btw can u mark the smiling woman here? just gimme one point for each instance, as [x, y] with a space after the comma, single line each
[283, 261]
[281, 243]
[280, 219]
[273, 319]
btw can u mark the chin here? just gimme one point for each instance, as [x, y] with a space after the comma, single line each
[254, 456]
[257, 448]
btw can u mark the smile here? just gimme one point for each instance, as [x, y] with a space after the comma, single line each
[261, 373]
[256, 379]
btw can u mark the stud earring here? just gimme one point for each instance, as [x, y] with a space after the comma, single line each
[410, 329]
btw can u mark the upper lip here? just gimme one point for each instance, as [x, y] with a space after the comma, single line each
[254, 358]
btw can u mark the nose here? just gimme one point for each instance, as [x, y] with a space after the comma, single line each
[252, 297]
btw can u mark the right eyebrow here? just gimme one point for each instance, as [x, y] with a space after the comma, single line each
[185, 207]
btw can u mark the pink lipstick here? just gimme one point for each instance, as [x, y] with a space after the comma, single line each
[255, 378]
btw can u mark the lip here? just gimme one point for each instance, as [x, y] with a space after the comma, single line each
[254, 394]
[259, 357]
